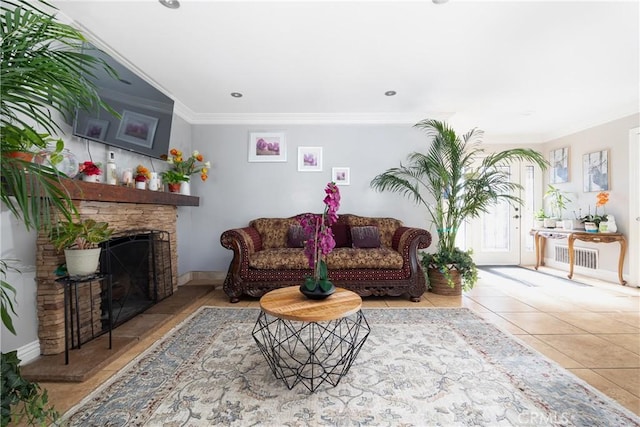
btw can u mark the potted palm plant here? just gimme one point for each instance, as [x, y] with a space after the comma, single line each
[79, 240]
[42, 71]
[455, 181]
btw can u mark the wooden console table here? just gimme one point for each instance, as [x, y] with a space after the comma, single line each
[539, 236]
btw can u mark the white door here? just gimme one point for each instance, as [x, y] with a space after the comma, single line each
[633, 259]
[501, 236]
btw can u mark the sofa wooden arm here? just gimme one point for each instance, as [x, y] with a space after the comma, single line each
[407, 241]
[243, 242]
[246, 238]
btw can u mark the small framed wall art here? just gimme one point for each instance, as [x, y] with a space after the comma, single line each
[595, 171]
[559, 161]
[137, 129]
[341, 176]
[267, 147]
[309, 159]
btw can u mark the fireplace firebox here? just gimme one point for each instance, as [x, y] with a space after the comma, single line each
[139, 262]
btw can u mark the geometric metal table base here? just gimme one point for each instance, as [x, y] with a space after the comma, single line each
[310, 353]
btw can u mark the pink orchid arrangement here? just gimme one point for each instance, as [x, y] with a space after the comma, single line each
[321, 241]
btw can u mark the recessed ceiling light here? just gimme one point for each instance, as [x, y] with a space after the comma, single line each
[236, 94]
[390, 93]
[439, 1]
[171, 4]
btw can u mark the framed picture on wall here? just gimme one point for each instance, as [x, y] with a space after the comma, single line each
[267, 147]
[595, 171]
[341, 176]
[309, 159]
[559, 161]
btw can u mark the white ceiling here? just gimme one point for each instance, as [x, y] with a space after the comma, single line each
[521, 71]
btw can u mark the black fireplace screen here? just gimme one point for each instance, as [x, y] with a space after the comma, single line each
[139, 262]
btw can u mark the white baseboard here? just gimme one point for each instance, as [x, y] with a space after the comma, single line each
[29, 352]
[184, 278]
[216, 276]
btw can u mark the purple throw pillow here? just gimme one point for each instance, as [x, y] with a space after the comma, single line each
[365, 237]
[341, 235]
[296, 237]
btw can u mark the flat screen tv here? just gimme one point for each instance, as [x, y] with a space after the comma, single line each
[146, 113]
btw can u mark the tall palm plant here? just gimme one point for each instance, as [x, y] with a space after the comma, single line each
[42, 70]
[455, 180]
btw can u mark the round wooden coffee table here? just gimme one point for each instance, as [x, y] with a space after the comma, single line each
[310, 341]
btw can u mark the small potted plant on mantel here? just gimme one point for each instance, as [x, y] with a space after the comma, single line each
[80, 240]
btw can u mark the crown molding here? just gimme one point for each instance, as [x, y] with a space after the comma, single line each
[303, 118]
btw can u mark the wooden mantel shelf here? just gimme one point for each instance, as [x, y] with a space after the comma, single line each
[80, 190]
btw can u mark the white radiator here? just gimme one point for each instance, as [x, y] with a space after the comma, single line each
[582, 257]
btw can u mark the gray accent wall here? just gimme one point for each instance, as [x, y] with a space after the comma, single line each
[238, 190]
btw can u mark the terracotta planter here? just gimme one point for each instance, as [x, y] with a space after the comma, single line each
[439, 285]
[22, 155]
[174, 187]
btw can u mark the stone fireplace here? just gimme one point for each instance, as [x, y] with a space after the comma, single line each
[126, 210]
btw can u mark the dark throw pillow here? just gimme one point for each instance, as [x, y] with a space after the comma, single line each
[341, 235]
[296, 236]
[365, 237]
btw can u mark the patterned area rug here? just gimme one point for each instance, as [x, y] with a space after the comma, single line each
[419, 367]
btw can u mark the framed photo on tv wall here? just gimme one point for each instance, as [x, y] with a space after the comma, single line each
[137, 128]
[96, 129]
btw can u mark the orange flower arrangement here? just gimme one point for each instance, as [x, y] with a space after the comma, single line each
[602, 198]
[142, 174]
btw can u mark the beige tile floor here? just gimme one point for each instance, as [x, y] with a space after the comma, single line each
[593, 332]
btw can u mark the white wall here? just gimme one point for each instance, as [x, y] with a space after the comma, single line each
[18, 251]
[612, 136]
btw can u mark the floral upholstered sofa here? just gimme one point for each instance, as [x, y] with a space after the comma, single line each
[373, 256]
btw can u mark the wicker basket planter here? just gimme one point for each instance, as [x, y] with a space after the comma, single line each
[439, 285]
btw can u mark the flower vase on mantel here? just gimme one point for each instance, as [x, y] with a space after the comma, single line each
[91, 178]
[185, 188]
[141, 182]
